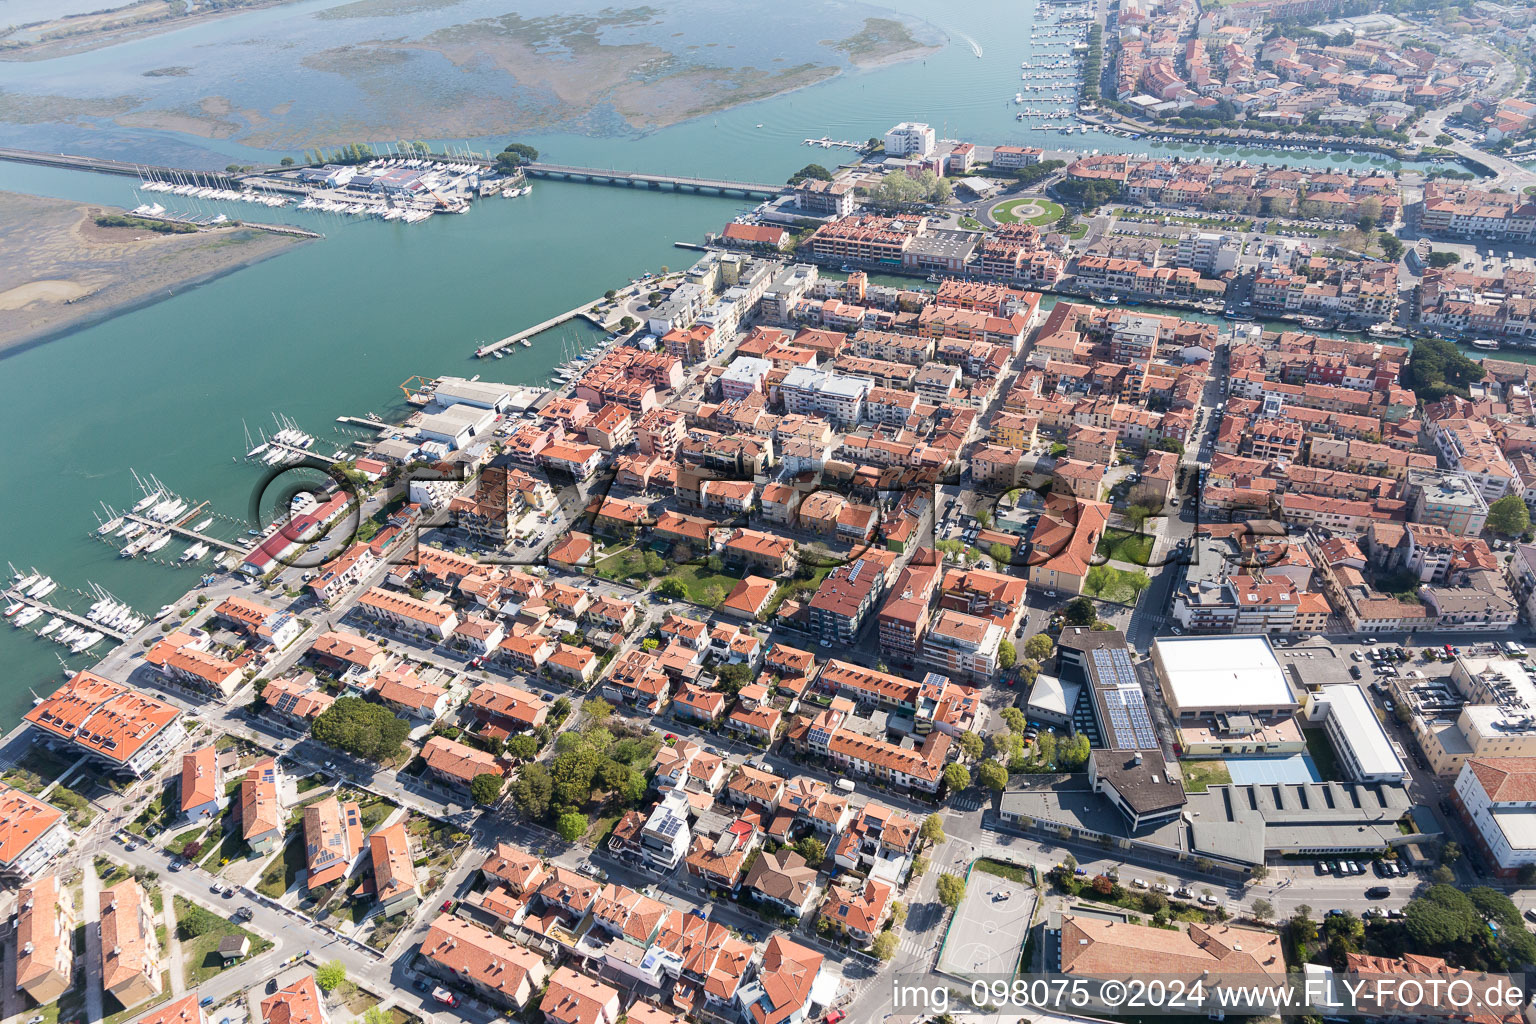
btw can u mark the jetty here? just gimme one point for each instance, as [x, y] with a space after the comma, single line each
[365, 421]
[639, 179]
[103, 165]
[182, 531]
[554, 321]
[12, 594]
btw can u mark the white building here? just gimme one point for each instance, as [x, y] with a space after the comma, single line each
[1210, 253]
[456, 425]
[1221, 674]
[1365, 751]
[834, 396]
[1497, 796]
[745, 375]
[910, 138]
[32, 833]
[665, 838]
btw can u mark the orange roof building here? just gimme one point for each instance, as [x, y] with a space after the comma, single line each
[261, 811]
[394, 876]
[577, 999]
[130, 951]
[784, 982]
[45, 928]
[299, 1003]
[457, 763]
[505, 973]
[124, 730]
[333, 837]
[202, 788]
[32, 834]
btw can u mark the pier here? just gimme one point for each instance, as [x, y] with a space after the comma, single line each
[364, 421]
[637, 179]
[182, 531]
[11, 594]
[304, 452]
[554, 321]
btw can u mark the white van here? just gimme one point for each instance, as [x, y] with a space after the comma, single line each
[846, 785]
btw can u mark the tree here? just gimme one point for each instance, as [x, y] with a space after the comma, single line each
[1440, 260]
[956, 777]
[330, 974]
[522, 747]
[813, 850]
[1450, 852]
[951, 889]
[1102, 884]
[1045, 747]
[1391, 247]
[572, 825]
[1080, 612]
[1263, 910]
[1006, 655]
[1015, 719]
[1074, 754]
[898, 913]
[195, 921]
[932, 830]
[1435, 368]
[1038, 647]
[286, 161]
[1170, 444]
[1259, 872]
[992, 775]
[596, 710]
[514, 156]
[972, 745]
[1001, 553]
[816, 171]
[362, 728]
[377, 1015]
[673, 588]
[1509, 516]
[884, 946]
[1138, 514]
[1442, 917]
[919, 866]
[533, 791]
[1442, 875]
[712, 595]
[486, 788]
[983, 517]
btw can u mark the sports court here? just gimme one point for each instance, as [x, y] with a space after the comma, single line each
[988, 931]
[1261, 771]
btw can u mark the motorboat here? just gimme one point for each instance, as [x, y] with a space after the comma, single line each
[53, 624]
[27, 617]
[1484, 344]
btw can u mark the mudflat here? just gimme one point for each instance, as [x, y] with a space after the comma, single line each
[63, 271]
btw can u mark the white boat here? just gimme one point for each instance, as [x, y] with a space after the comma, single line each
[158, 541]
[146, 501]
[133, 529]
[195, 552]
[86, 642]
[200, 527]
[1484, 344]
[138, 544]
[69, 635]
[53, 624]
[12, 609]
[108, 526]
[165, 610]
[25, 581]
[42, 587]
[27, 617]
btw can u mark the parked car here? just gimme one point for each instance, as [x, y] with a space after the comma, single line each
[1377, 892]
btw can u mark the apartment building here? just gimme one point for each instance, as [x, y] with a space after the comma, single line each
[45, 935]
[122, 730]
[130, 949]
[333, 837]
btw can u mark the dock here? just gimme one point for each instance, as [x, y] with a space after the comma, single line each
[304, 452]
[12, 594]
[829, 143]
[554, 321]
[364, 421]
[182, 531]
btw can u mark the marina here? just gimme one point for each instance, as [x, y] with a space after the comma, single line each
[117, 626]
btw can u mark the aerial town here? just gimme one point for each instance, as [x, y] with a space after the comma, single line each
[981, 562]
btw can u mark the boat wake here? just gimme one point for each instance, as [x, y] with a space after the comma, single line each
[973, 44]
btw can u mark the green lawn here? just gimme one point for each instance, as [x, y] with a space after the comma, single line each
[231, 847]
[1199, 775]
[1125, 546]
[970, 224]
[1110, 584]
[1323, 757]
[1077, 231]
[697, 579]
[1002, 869]
[201, 953]
[803, 587]
[283, 870]
[1006, 212]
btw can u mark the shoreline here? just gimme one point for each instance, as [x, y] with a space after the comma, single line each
[50, 49]
[16, 346]
[57, 244]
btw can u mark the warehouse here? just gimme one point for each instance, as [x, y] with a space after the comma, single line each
[1204, 676]
[456, 425]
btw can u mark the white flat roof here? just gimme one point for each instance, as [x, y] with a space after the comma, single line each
[1363, 730]
[1228, 673]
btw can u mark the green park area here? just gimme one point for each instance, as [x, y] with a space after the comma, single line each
[1038, 212]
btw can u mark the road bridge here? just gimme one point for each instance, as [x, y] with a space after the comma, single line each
[639, 179]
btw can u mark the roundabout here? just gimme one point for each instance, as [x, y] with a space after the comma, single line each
[1028, 210]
